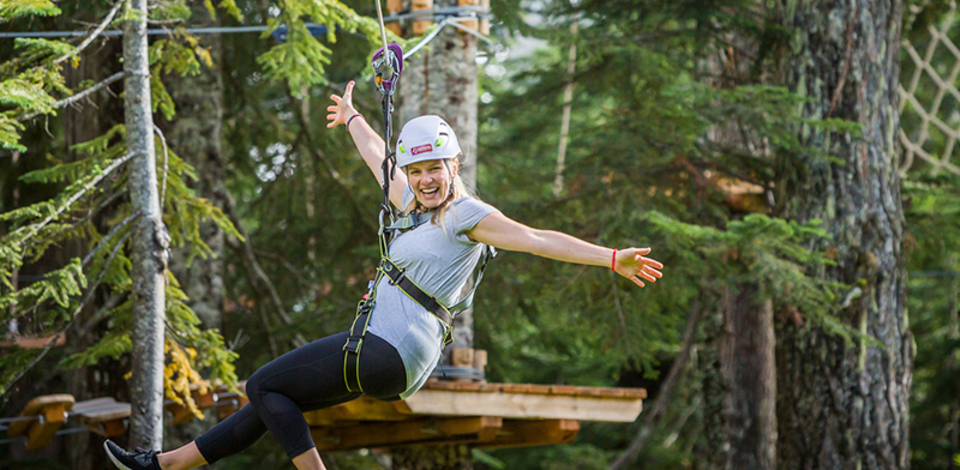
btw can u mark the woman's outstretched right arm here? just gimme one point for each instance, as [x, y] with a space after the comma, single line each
[368, 142]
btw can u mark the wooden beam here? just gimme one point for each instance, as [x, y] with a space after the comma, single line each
[50, 412]
[524, 405]
[519, 433]
[34, 343]
[405, 433]
[182, 413]
[361, 409]
[36, 407]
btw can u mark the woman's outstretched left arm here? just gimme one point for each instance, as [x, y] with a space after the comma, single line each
[500, 231]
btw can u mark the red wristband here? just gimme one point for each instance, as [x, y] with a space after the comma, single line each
[613, 262]
[351, 119]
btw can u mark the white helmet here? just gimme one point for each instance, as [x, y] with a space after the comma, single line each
[425, 138]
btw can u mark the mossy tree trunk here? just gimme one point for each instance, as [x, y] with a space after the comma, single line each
[739, 383]
[844, 404]
[442, 80]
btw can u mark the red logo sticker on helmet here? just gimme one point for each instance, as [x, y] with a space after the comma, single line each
[421, 149]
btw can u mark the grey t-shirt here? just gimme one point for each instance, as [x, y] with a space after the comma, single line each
[440, 260]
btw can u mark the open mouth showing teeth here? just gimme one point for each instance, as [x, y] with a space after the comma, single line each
[430, 191]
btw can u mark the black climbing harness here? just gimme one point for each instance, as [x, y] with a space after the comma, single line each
[391, 57]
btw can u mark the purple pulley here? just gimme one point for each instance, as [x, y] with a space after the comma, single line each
[392, 59]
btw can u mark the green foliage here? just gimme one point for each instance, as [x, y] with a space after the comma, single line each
[10, 134]
[229, 5]
[12, 9]
[12, 362]
[90, 208]
[301, 58]
[38, 49]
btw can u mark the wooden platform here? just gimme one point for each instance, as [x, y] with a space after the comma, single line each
[477, 414]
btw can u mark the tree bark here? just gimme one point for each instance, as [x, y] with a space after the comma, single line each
[149, 256]
[442, 79]
[739, 383]
[748, 367]
[195, 135]
[843, 405]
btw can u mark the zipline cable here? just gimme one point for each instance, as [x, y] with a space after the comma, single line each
[437, 13]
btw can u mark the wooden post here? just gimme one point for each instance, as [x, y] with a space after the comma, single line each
[50, 412]
[394, 7]
[480, 361]
[485, 23]
[421, 27]
[472, 24]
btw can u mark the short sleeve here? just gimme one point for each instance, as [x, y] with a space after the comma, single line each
[406, 198]
[465, 213]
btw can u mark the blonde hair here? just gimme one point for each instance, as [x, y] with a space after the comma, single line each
[458, 190]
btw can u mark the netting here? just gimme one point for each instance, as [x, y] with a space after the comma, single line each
[930, 103]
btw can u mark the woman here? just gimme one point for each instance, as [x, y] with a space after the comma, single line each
[403, 342]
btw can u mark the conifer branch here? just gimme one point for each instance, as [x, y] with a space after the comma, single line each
[96, 32]
[110, 235]
[78, 96]
[106, 171]
[163, 184]
[83, 303]
[106, 202]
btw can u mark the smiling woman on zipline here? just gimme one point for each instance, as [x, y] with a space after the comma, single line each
[402, 324]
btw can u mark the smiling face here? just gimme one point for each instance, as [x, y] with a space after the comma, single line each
[431, 181]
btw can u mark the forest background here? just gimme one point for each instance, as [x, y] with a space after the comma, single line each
[272, 216]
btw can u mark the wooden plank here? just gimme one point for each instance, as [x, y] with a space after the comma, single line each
[517, 433]
[524, 405]
[397, 434]
[182, 413]
[36, 407]
[563, 389]
[235, 403]
[34, 343]
[361, 409]
[104, 416]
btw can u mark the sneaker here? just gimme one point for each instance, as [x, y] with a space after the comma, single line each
[139, 459]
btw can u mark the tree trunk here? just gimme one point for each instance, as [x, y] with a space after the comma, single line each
[747, 365]
[442, 80]
[739, 384]
[149, 256]
[195, 135]
[844, 405]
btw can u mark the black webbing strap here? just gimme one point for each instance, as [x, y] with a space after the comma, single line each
[351, 357]
[399, 278]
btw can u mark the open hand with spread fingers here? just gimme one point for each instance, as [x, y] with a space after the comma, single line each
[632, 264]
[342, 109]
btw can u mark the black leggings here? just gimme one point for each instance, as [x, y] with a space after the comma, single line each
[305, 379]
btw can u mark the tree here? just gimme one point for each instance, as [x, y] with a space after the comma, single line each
[150, 242]
[843, 401]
